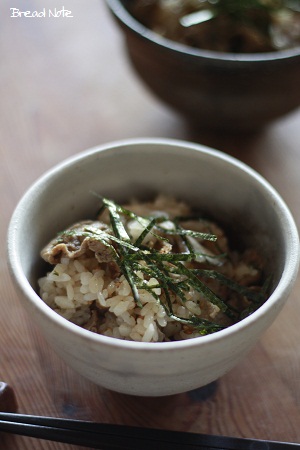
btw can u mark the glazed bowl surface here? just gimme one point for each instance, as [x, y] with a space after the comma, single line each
[228, 92]
[221, 187]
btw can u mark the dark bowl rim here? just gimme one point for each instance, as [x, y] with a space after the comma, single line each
[122, 14]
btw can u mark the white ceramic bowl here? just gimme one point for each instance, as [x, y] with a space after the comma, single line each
[221, 186]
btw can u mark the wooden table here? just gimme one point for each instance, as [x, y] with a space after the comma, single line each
[66, 85]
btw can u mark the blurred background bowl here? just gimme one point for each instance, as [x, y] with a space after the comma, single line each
[221, 186]
[212, 90]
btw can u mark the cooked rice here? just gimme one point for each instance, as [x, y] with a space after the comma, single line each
[74, 286]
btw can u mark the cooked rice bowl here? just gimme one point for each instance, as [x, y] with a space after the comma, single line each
[252, 216]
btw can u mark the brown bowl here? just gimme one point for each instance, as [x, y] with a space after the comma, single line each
[214, 90]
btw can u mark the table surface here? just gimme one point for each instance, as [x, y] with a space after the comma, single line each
[65, 86]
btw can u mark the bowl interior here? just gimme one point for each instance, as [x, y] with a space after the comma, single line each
[219, 186]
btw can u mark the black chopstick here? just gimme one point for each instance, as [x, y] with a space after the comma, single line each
[115, 437]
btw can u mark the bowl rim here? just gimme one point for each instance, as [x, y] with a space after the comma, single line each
[289, 273]
[121, 12]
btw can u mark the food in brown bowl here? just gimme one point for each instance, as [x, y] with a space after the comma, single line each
[233, 26]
